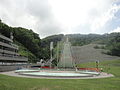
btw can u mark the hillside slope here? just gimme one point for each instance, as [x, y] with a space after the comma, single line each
[110, 41]
[88, 53]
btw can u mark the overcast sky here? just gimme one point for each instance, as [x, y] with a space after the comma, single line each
[48, 17]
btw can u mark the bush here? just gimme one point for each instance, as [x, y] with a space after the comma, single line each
[96, 47]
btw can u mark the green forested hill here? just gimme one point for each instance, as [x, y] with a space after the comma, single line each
[34, 48]
[45, 44]
[29, 42]
[83, 39]
[111, 41]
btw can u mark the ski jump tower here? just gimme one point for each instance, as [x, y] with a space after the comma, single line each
[66, 60]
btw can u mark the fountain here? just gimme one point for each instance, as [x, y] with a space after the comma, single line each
[66, 67]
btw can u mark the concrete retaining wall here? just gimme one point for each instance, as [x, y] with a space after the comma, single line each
[4, 68]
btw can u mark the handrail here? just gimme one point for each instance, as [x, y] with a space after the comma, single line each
[6, 38]
[17, 58]
[5, 55]
[7, 45]
[8, 52]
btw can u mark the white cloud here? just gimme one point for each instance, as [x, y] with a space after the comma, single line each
[75, 13]
[29, 14]
[101, 21]
[48, 17]
[115, 30]
[14, 14]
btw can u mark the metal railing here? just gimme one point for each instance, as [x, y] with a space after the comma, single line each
[6, 38]
[7, 45]
[12, 57]
[8, 52]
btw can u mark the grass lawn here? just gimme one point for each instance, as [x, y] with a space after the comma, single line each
[113, 83]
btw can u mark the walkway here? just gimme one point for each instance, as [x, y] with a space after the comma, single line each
[12, 73]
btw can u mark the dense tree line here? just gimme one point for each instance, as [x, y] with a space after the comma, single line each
[29, 42]
[27, 38]
[45, 44]
[83, 39]
[113, 44]
[110, 41]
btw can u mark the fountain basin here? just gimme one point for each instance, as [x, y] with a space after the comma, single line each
[26, 70]
[57, 74]
[88, 72]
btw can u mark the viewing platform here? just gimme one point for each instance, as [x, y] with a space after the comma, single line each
[9, 51]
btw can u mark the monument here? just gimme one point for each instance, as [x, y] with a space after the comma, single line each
[66, 60]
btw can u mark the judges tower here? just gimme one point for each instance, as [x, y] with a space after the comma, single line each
[66, 60]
